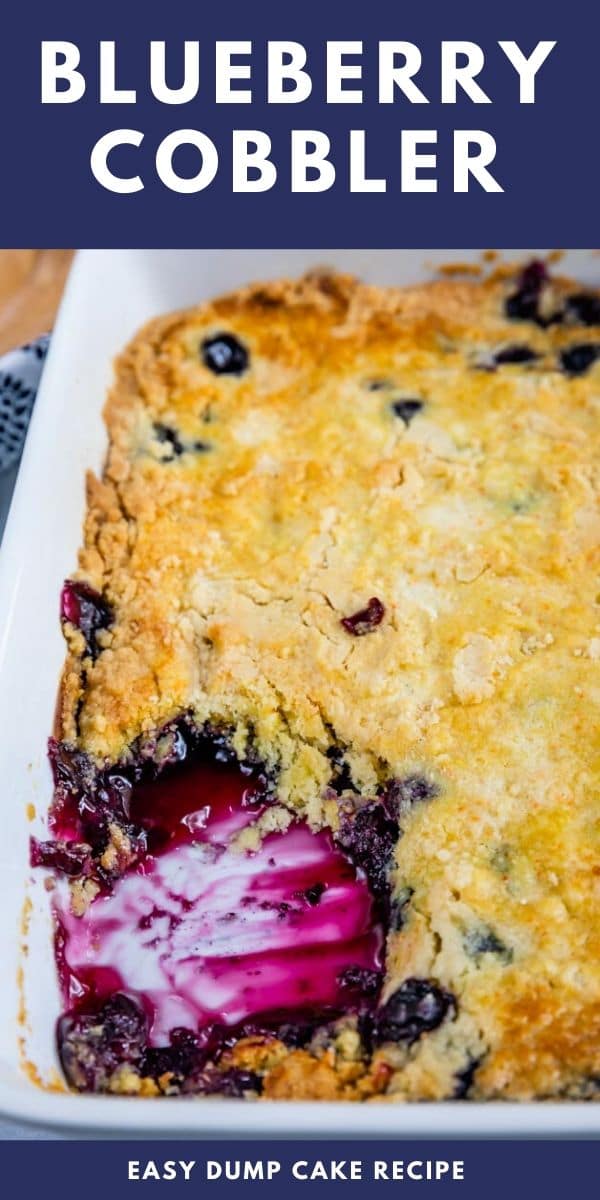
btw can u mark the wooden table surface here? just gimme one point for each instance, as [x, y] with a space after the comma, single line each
[31, 284]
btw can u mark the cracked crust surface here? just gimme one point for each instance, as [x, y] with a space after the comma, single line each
[229, 568]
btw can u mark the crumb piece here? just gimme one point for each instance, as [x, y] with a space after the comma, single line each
[536, 642]
[477, 668]
[83, 891]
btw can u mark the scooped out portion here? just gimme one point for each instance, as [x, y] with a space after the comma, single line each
[202, 936]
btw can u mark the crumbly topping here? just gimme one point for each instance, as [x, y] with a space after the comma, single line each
[283, 498]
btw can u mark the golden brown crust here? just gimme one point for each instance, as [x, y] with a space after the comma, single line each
[477, 525]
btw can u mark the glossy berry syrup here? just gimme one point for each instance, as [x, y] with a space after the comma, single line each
[202, 934]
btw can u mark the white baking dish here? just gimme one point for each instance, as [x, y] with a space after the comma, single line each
[110, 293]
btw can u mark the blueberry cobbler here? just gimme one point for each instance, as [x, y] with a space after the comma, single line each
[326, 818]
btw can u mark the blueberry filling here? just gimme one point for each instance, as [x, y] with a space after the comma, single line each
[515, 354]
[406, 409]
[165, 897]
[73, 772]
[224, 354]
[369, 836]
[576, 360]
[365, 620]
[313, 894]
[185, 1061]
[369, 832]
[67, 858]
[183, 1057]
[360, 980]
[86, 804]
[113, 1034]
[84, 607]
[92, 1046]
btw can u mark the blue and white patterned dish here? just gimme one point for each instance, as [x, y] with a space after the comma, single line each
[20, 372]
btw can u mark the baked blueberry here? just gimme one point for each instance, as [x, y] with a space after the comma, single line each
[523, 305]
[584, 308]
[406, 409]
[164, 433]
[379, 385]
[313, 894]
[234, 1082]
[341, 774]
[73, 771]
[398, 908]
[412, 789]
[179, 1059]
[84, 607]
[224, 354]
[515, 354]
[366, 619]
[295, 1035]
[416, 1007]
[93, 1045]
[484, 940]
[464, 1079]
[576, 360]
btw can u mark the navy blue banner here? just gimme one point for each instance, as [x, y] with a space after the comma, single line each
[465, 1170]
[111, 158]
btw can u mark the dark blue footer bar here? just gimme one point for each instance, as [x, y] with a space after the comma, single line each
[482, 1170]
